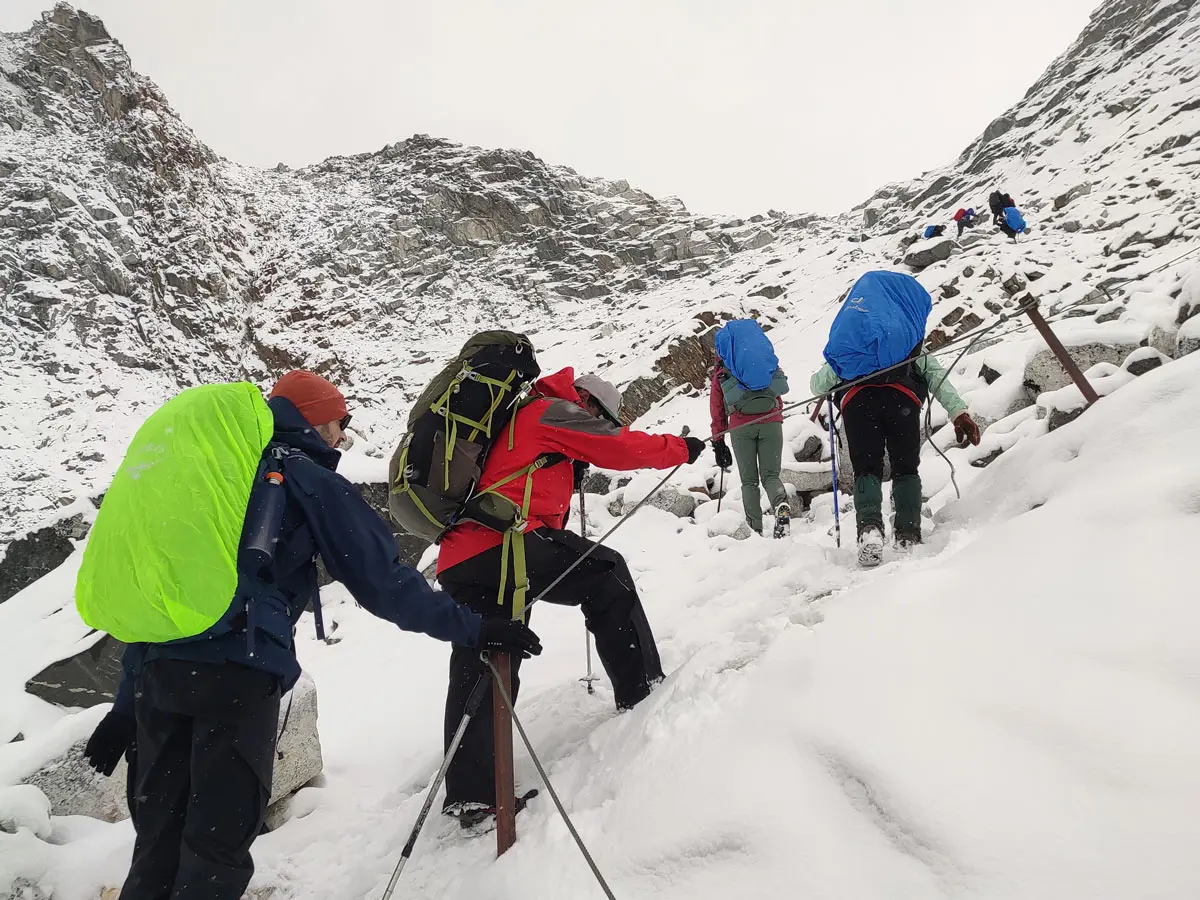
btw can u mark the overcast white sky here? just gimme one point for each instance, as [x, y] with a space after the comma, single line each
[732, 105]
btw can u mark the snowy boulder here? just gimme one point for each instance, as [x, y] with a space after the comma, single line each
[1188, 339]
[811, 479]
[1045, 373]
[812, 450]
[39, 553]
[930, 252]
[680, 505]
[73, 788]
[1143, 360]
[24, 806]
[730, 523]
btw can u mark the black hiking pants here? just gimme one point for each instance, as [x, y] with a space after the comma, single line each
[201, 778]
[878, 420]
[601, 586]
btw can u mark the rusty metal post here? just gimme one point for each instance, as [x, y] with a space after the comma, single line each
[1029, 306]
[506, 802]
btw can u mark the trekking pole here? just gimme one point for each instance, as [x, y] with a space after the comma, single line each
[833, 452]
[473, 703]
[589, 678]
[721, 490]
[507, 700]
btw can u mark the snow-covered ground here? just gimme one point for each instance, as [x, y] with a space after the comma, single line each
[1012, 712]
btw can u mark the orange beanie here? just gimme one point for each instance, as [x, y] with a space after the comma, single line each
[316, 398]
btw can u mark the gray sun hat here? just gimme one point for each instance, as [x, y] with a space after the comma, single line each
[604, 393]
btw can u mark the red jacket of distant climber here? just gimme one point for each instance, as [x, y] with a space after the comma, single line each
[722, 421]
[555, 423]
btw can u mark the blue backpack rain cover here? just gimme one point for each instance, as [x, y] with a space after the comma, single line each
[930, 231]
[878, 326]
[747, 353]
[1014, 219]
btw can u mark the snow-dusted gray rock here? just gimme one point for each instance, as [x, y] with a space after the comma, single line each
[1080, 190]
[1143, 360]
[926, 253]
[682, 505]
[1188, 339]
[74, 788]
[1045, 373]
[597, 483]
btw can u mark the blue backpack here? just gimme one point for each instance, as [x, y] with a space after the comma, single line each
[931, 231]
[879, 325]
[747, 353]
[1014, 219]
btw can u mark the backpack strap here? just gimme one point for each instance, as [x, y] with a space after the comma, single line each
[514, 531]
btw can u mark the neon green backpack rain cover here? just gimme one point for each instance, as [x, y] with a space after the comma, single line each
[161, 561]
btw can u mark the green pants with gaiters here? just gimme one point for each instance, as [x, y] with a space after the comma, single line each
[758, 450]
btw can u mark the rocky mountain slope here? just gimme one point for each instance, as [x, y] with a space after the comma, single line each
[134, 261]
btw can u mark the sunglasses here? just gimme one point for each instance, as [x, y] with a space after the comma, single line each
[345, 422]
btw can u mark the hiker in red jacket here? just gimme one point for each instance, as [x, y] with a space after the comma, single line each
[575, 420]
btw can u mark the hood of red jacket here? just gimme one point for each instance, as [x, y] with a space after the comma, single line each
[560, 385]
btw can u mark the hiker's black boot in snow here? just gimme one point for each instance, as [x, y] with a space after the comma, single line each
[870, 547]
[906, 540]
[481, 818]
[783, 520]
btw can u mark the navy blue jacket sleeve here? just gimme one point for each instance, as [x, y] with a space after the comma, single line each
[131, 668]
[360, 552]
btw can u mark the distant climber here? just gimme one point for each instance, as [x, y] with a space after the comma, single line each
[745, 395]
[1013, 223]
[965, 218]
[932, 231]
[998, 202]
[209, 616]
[568, 418]
[876, 341]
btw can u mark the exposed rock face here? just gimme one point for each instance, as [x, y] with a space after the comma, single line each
[134, 261]
[38, 554]
[688, 360]
[927, 253]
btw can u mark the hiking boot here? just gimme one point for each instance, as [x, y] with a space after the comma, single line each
[870, 547]
[783, 520]
[480, 817]
[906, 540]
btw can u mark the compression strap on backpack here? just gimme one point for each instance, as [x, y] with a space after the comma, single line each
[514, 535]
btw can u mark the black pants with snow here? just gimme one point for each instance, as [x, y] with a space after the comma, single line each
[201, 778]
[601, 586]
[880, 419]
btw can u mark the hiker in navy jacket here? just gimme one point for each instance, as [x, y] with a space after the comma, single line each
[197, 717]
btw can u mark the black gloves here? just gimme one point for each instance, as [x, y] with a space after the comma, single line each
[509, 636]
[721, 452]
[108, 743]
[695, 447]
[581, 470]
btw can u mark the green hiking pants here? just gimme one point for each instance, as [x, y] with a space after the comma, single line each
[758, 450]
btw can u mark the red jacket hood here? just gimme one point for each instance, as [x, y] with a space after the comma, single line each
[560, 385]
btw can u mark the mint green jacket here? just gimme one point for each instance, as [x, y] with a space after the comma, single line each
[824, 380]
